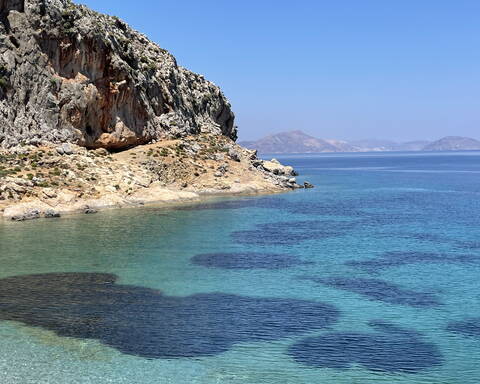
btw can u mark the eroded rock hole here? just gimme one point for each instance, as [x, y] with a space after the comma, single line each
[89, 130]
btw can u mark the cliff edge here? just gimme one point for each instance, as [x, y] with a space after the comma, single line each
[69, 74]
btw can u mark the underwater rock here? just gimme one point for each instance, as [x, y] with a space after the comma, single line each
[390, 349]
[379, 290]
[247, 260]
[143, 322]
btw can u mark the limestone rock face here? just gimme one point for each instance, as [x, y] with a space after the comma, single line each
[69, 74]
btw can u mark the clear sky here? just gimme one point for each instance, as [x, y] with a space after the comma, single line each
[345, 69]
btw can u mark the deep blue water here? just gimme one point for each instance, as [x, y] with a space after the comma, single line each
[373, 276]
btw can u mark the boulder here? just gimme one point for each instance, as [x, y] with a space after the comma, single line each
[27, 215]
[276, 168]
[51, 213]
[234, 154]
[307, 185]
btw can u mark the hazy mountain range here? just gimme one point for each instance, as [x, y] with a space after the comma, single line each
[300, 142]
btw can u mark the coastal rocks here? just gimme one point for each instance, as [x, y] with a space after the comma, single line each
[165, 172]
[28, 215]
[51, 213]
[275, 167]
[71, 75]
[94, 114]
[279, 174]
[307, 185]
[234, 154]
[24, 212]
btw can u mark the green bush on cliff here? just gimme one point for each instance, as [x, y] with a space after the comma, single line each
[3, 82]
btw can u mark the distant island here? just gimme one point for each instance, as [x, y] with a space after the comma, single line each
[299, 142]
[454, 143]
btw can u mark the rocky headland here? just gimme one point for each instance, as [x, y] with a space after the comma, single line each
[93, 115]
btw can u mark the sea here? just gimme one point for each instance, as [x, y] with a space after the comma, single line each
[373, 276]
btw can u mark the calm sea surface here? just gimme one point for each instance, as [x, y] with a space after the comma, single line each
[371, 277]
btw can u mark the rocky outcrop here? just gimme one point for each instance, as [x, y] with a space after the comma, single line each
[68, 74]
[275, 167]
[47, 181]
[94, 115]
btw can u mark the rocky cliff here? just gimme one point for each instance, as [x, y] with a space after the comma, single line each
[94, 115]
[69, 74]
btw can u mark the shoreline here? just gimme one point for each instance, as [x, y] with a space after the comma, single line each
[27, 211]
[50, 181]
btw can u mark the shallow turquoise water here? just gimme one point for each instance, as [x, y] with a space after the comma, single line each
[372, 277]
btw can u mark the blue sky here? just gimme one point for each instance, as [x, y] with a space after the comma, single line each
[345, 69]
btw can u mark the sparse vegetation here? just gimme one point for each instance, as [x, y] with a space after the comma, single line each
[3, 82]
